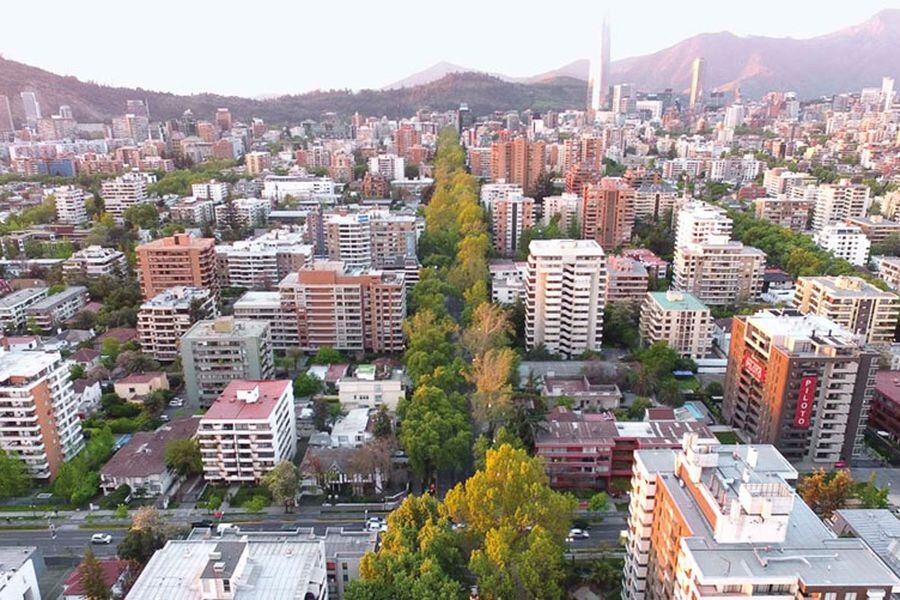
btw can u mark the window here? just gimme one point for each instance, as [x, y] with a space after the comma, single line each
[850, 596]
[226, 585]
[830, 596]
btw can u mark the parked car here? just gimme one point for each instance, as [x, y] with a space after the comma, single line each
[577, 534]
[176, 403]
[376, 524]
[101, 538]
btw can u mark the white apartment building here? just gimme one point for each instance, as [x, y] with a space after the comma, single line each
[889, 271]
[785, 211]
[217, 191]
[348, 238]
[735, 170]
[654, 200]
[299, 187]
[70, 208]
[365, 390]
[122, 193]
[48, 313]
[567, 206]
[782, 181]
[195, 211]
[696, 222]
[508, 281]
[163, 319]
[248, 430]
[835, 203]
[565, 293]
[852, 303]
[12, 307]
[39, 422]
[266, 306]
[844, 241]
[18, 573]
[719, 271]
[260, 263]
[680, 320]
[389, 166]
[244, 212]
[94, 262]
[497, 190]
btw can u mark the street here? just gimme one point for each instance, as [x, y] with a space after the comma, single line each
[67, 543]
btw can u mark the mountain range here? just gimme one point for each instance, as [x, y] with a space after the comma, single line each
[845, 60]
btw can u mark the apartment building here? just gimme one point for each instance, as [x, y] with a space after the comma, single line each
[243, 212]
[719, 271]
[710, 521]
[249, 429]
[565, 291]
[193, 211]
[122, 193]
[176, 260]
[260, 263]
[567, 206]
[800, 382]
[785, 211]
[627, 280]
[48, 313]
[889, 271]
[656, 267]
[216, 352]
[217, 191]
[70, 208]
[497, 190]
[257, 162]
[94, 262]
[266, 306]
[369, 239]
[835, 203]
[166, 317]
[851, 302]
[680, 320]
[518, 161]
[507, 281]
[876, 227]
[653, 200]
[510, 216]
[779, 181]
[39, 422]
[13, 306]
[346, 309]
[696, 222]
[389, 166]
[844, 241]
[736, 171]
[607, 212]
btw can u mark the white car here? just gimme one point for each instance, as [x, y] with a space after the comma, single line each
[376, 524]
[577, 534]
[101, 538]
[176, 403]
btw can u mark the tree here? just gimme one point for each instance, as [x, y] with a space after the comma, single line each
[620, 325]
[637, 408]
[382, 426]
[435, 431]
[511, 565]
[306, 385]
[483, 444]
[144, 215]
[491, 373]
[282, 483]
[327, 355]
[598, 502]
[14, 479]
[872, 496]
[826, 492]
[121, 511]
[183, 457]
[256, 504]
[139, 545]
[490, 328]
[90, 575]
[133, 361]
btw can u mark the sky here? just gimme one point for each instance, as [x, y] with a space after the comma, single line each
[264, 47]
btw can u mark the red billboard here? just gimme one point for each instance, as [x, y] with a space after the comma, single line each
[754, 367]
[805, 401]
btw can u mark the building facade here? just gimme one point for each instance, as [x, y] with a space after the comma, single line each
[680, 320]
[852, 303]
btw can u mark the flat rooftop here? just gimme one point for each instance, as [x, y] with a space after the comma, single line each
[23, 295]
[247, 400]
[672, 300]
[849, 287]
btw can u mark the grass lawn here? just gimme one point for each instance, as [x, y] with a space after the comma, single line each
[727, 437]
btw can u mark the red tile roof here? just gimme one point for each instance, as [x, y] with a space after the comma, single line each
[141, 377]
[228, 407]
[112, 570]
[143, 455]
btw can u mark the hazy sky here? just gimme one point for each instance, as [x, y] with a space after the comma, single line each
[267, 46]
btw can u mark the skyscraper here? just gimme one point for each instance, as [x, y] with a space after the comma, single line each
[887, 92]
[698, 70]
[32, 108]
[6, 122]
[599, 77]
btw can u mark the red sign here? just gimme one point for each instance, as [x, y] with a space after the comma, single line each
[805, 401]
[754, 367]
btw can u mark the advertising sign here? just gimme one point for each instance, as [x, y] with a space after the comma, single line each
[755, 368]
[805, 401]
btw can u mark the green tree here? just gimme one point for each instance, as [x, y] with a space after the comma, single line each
[256, 504]
[144, 215]
[282, 483]
[512, 565]
[121, 511]
[598, 502]
[140, 544]
[183, 457]
[14, 479]
[638, 408]
[872, 496]
[90, 575]
[327, 355]
[306, 385]
[435, 431]
[620, 325]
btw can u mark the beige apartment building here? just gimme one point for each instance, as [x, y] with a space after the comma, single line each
[607, 212]
[94, 262]
[627, 280]
[678, 319]
[852, 303]
[697, 222]
[510, 216]
[166, 317]
[889, 271]
[785, 211]
[835, 203]
[719, 272]
[177, 260]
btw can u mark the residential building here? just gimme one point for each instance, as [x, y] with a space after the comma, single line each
[302, 188]
[607, 212]
[213, 353]
[876, 227]
[844, 241]
[589, 450]
[70, 207]
[584, 394]
[627, 280]
[852, 303]
[784, 211]
[6, 120]
[507, 281]
[114, 572]
[257, 162]
[348, 238]
[711, 520]
[884, 411]
[800, 382]
[163, 319]
[565, 296]
[39, 421]
[835, 203]
[94, 262]
[680, 320]
[497, 190]
[177, 260]
[889, 271]
[217, 191]
[389, 166]
[137, 387]
[260, 263]
[248, 430]
[49, 313]
[567, 206]
[14, 305]
[878, 528]
[194, 211]
[353, 430]
[243, 213]
[779, 181]
[353, 310]
[719, 271]
[369, 239]
[20, 566]
[266, 306]
[696, 222]
[371, 387]
[122, 193]
[736, 171]
[141, 462]
[246, 569]
[656, 267]
[653, 200]
[510, 216]
[518, 161]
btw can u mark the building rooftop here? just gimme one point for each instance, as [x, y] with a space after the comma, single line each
[672, 300]
[784, 325]
[565, 247]
[844, 286]
[142, 377]
[227, 327]
[563, 426]
[17, 297]
[53, 301]
[247, 400]
[24, 363]
[623, 266]
[878, 528]
[177, 297]
[178, 241]
[258, 299]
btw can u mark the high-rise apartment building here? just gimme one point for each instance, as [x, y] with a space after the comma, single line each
[780, 180]
[510, 216]
[627, 280]
[844, 241]
[177, 260]
[680, 320]
[567, 206]
[94, 262]
[353, 310]
[607, 212]
[223, 119]
[696, 222]
[163, 319]
[122, 193]
[719, 271]
[214, 353]
[876, 228]
[653, 200]
[260, 263]
[70, 208]
[835, 203]
[248, 430]
[800, 382]
[565, 290]
[712, 521]
[39, 422]
[519, 161]
[389, 166]
[852, 303]
[257, 162]
[785, 211]
[370, 239]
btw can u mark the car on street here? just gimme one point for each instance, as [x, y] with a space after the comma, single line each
[176, 403]
[577, 534]
[376, 524]
[101, 538]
